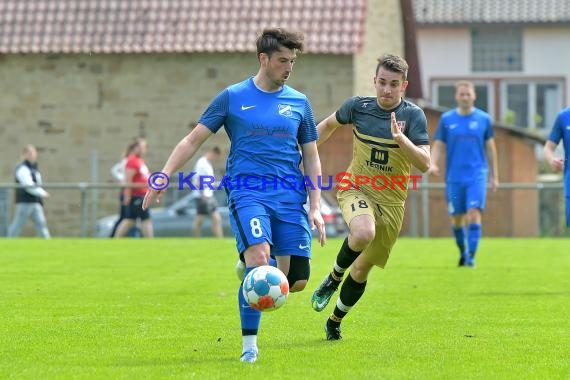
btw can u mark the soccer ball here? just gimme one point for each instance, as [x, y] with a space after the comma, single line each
[265, 288]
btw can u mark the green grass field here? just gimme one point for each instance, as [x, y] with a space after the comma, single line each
[136, 309]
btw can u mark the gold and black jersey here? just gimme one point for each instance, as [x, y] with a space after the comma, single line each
[376, 156]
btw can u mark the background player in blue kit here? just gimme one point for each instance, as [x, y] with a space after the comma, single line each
[561, 131]
[272, 131]
[467, 134]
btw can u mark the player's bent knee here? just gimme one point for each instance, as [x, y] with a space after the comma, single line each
[362, 236]
[256, 260]
[298, 286]
[458, 220]
[128, 222]
[256, 255]
[474, 215]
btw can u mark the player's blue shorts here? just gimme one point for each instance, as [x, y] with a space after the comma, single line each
[285, 226]
[464, 196]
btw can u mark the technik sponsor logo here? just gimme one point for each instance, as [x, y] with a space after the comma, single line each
[342, 181]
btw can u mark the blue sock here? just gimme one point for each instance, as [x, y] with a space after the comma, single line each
[473, 237]
[460, 238]
[250, 318]
[272, 261]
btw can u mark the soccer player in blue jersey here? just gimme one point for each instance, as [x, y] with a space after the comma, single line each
[466, 133]
[561, 131]
[272, 131]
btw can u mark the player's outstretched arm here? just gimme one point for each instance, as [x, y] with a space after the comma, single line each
[435, 154]
[183, 151]
[419, 155]
[327, 127]
[312, 167]
[492, 154]
[557, 164]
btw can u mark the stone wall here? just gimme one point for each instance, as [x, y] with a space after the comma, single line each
[82, 110]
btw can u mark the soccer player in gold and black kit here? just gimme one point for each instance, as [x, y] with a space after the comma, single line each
[390, 135]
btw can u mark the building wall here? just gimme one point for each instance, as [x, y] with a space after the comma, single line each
[383, 33]
[546, 53]
[442, 54]
[446, 52]
[82, 110]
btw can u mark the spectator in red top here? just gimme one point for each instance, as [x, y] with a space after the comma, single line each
[118, 172]
[136, 183]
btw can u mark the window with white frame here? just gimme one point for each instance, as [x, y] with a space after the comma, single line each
[444, 95]
[496, 49]
[531, 104]
[524, 103]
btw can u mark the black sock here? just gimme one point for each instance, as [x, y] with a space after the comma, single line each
[332, 323]
[350, 293]
[344, 259]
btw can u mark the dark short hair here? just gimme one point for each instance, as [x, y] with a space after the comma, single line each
[394, 63]
[272, 39]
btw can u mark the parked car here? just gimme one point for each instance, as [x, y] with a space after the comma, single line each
[177, 219]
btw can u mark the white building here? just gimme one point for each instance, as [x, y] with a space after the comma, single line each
[517, 52]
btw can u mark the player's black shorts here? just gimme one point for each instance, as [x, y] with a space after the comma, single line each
[134, 210]
[206, 206]
[299, 269]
